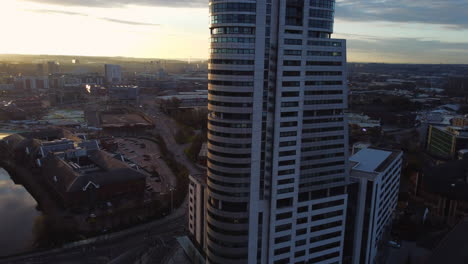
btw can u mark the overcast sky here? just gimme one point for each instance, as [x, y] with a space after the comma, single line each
[416, 31]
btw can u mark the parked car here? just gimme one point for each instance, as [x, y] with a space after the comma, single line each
[394, 244]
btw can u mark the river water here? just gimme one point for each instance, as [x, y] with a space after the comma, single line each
[17, 215]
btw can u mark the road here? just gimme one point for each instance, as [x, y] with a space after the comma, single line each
[158, 236]
[167, 127]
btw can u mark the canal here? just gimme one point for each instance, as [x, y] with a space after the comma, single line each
[17, 215]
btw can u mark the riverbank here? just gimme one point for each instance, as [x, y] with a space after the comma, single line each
[24, 177]
[19, 215]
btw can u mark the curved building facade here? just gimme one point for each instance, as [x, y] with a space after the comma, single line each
[277, 137]
[231, 100]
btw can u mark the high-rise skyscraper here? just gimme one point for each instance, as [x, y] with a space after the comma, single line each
[277, 134]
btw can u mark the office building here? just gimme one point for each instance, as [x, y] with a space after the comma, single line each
[445, 141]
[113, 73]
[277, 135]
[373, 200]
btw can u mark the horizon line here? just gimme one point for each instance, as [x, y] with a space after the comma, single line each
[204, 59]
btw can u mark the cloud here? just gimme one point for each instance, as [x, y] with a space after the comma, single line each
[133, 23]
[59, 12]
[118, 3]
[108, 19]
[452, 13]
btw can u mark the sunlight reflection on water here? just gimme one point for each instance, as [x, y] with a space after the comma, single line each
[17, 215]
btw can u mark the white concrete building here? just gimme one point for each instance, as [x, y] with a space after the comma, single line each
[377, 173]
[197, 210]
[277, 133]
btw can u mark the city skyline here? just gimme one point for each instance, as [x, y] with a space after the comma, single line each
[377, 31]
[234, 131]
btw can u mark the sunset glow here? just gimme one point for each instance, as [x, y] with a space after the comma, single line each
[159, 31]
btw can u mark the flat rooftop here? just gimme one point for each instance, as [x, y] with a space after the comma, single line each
[116, 118]
[125, 119]
[200, 178]
[369, 159]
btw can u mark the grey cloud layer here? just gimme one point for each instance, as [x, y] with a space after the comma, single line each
[116, 3]
[453, 13]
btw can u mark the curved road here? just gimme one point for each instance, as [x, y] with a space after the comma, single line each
[167, 128]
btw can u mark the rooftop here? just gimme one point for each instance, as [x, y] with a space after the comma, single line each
[116, 118]
[109, 120]
[99, 168]
[369, 159]
[200, 178]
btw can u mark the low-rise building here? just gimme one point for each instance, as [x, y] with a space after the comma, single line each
[127, 94]
[77, 172]
[362, 121]
[31, 83]
[92, 179]
[30, 105]
[198, 98]
[119, 121]
[7, 86]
